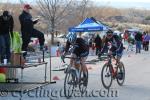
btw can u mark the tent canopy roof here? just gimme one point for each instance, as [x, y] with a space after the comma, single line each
[88, 25]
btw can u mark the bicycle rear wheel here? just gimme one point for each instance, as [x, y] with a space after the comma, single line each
[83, 81]
[120, 74]
[106, 76]
[69, 84]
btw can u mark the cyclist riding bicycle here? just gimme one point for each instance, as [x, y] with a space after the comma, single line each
[80, 49]
[116, 44]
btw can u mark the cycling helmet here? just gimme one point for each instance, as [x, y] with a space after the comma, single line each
[71, 37]
[115, 33]
[109, 32]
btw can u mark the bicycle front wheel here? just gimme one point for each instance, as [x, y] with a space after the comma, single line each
[83, 81]
[69, 84]
[120, 74]
[106, 76]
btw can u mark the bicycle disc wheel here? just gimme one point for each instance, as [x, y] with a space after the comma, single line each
[68, 84]
[83, 81]
[120, 74]
[106, 76]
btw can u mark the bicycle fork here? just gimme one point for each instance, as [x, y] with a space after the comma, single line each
[112, 71]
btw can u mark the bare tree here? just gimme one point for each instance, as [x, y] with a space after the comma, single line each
[79, 11]
[82, 9]
[53, 12]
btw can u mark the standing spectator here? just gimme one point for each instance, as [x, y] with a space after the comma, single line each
[6, 27]
[103, 42]
[98, 44]
[57, 49]
[143, 42]
[27, 28]
[138, 39]
[146, 41]
[90, 42]
[130, 42]
[126, 33]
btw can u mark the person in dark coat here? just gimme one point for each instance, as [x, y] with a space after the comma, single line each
[146, 39]
[6, 29]
[28, 30]
[138, 39]
[98, 44]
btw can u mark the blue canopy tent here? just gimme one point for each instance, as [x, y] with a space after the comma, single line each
[88, 25]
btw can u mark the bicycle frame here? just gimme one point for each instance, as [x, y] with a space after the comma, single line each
[80, 67]
[110, 64]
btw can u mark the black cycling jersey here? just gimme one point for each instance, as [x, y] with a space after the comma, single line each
[80, 47]
[115, 42]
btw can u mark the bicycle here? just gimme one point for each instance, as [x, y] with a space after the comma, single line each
[119, 74]
[73, 80]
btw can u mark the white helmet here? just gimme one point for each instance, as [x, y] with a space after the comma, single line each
[115, 33]
[71, 37]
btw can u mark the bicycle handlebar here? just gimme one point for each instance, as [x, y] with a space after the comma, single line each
[63, 59]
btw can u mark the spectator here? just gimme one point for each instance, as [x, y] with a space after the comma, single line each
[143, 42]
[28, 30]
[138, 39]
[126, 36]
[103, 42]
[130, 42]
[98, 44]
[6, 27]
[57, 49]
[90, 42]
[146, 41]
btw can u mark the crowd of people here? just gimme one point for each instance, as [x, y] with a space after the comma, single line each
[139, 39]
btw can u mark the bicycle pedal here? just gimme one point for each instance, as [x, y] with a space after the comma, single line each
[119, 76]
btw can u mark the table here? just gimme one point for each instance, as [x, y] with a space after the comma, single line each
[20, 85]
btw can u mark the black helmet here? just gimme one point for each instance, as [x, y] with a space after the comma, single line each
[109, 32]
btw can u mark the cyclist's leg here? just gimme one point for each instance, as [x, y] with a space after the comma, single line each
[119, 55]
[72, 60]
[83, 59]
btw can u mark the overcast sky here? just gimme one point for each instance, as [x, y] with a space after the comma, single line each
[144, 4]
[92, 0]
[123, 0]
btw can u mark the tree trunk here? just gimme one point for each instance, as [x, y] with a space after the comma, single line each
[53, 31]
[52, 38]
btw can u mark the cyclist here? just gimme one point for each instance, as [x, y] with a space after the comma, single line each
[80, 49]
[115, 43]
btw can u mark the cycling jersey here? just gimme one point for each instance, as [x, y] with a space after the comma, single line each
[116, 45]
[80, 47]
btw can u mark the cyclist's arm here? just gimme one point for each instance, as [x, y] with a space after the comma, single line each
[67, 47]
[105, 46]
[119, 45]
